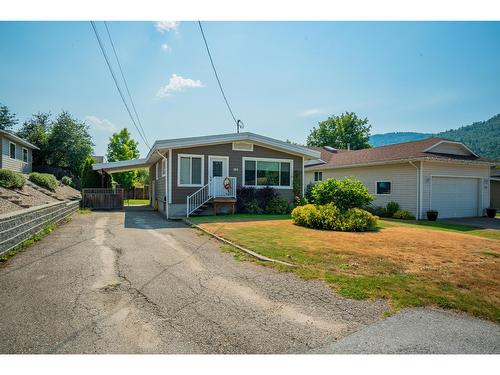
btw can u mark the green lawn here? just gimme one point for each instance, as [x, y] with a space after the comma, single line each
[136, 201]
[411, 264]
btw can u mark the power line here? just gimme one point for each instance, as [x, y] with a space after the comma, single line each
[125, 81]
[239, 123]
[116, 81]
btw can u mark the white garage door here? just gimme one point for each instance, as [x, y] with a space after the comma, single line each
[455, 197]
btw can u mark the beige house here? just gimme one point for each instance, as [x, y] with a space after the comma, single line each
[189, 174]
[16, 154]
[433, 173]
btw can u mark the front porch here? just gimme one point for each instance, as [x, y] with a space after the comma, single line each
[219, 191]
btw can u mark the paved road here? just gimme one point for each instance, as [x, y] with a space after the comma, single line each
[422, 331]
[133, 283]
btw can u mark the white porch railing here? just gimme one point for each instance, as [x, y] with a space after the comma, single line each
[214, 189]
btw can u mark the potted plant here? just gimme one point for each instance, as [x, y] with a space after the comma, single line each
[491, 212]
[432, 215]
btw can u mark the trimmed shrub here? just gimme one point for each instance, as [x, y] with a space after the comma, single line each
[345, 194]
[330, 217]
[403, 215]
[46, 180]
[308, 193]
[66, 180]
[264, 196]
[391, 208]
[278, 206]
[253, 207]
[245, 196]
[11, 180]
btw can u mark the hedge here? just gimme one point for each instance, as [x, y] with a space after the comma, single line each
[46, 180]
[11, 180]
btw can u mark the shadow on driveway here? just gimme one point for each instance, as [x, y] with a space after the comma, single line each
[144, 217]
[478, 222]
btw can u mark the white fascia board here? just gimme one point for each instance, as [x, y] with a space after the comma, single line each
[121, 166]
[233, 137]
[17, 139]
[451, 142]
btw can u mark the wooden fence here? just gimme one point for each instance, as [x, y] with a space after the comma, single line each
[103, 199]
[137, 193]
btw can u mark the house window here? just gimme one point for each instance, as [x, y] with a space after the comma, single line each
[383, 187]
[25, 155]
[267, 172]
[12, 150]
[318, 176]
[163, 167]
[190, 170]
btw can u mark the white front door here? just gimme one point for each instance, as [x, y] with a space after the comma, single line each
[218, 167]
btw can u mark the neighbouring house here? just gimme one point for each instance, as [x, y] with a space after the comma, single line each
[189, 173]
[16, 153]
[495, 188]
[433, 173]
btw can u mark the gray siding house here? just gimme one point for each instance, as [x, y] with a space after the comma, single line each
[187, 173]
[16, 154]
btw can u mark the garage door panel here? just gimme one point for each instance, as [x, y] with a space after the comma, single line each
[455, 197]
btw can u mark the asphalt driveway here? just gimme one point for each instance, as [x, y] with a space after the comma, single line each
[130, 282]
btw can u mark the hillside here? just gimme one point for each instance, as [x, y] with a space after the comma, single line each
[482, 137]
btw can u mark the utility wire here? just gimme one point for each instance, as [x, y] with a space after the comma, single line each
[237, 122]
[125, 82]
[116, 81]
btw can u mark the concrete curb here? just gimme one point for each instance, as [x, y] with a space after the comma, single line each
[245, 250]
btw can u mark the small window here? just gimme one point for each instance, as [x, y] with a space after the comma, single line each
[383, 187]
[12, 150]
[190, 170]
[25, 155]
[242, 146]
[318, 176]
[163, 167]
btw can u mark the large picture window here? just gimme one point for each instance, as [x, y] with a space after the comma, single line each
[190, 170]
[267, 172]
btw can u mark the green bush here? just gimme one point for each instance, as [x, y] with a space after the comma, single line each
[345, 194]
[11, 180]
[308, 193]
[330, 217]
[66, 180]
[403, 215]
[46, 180]
[391, 208]
[253, 207]
[278, 206]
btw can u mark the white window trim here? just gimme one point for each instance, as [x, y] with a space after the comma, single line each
[15, 150]
[156, 170]
[235, 148]
[244, 159]
[314, 176]
[179, 156]
[383, 195]
[163, 167]
[27, 155]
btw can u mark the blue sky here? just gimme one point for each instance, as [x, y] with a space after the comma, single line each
[281, 77]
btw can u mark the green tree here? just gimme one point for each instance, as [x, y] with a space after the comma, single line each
[7, 118]
[89, 177]
[142, 178]
[342, 132]
[36, 131]
[70, 143]
[121, 146]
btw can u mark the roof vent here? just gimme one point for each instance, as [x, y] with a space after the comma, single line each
[330, 148]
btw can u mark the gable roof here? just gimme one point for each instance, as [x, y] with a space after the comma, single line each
[167, 144]
[17, 139]
[416, 150]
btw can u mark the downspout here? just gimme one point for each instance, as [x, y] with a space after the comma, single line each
[421, 189]
[169, 195]
[166, 184]
[417, 182]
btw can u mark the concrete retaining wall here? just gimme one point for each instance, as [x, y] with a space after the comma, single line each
[17, 226]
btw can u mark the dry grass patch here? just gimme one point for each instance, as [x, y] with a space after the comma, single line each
[412, 266]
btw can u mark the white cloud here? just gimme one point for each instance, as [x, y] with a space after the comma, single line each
[166, 47]
[310, 112]
[166, 26]
[100, 124]
[177, 83]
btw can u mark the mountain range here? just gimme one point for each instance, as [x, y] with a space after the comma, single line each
[482, 137]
